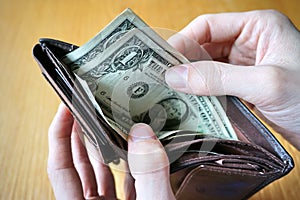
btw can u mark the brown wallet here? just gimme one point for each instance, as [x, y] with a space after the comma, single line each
[223, 169]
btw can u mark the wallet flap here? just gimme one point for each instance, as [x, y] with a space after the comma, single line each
[256, 132]
[79, 107]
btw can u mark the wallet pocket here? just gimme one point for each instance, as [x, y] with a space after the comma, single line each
[214, 182]
[222, 169]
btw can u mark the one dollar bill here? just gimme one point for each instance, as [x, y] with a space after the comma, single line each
[124, 67]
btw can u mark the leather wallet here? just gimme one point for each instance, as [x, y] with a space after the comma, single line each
[204, 168]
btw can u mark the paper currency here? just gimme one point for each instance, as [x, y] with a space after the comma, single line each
[124, 67]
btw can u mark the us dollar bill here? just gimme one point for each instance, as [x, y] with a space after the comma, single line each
[124, 67]
[114, 31]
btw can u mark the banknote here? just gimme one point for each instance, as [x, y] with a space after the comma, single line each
[124, 68]
[126, 21]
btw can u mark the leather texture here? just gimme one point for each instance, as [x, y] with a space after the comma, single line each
[200, 168]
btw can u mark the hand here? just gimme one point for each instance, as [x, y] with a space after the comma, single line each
[74, 174]
[261, 50]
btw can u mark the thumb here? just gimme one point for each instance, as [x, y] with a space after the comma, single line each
[148, 164]
[215, 78]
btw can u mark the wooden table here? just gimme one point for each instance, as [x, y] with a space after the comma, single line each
[28, 103]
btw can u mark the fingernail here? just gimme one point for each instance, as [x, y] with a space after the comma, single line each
[141, 132]
[177, 77]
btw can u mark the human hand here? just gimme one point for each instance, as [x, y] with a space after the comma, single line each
[74, 174]
[261, 50]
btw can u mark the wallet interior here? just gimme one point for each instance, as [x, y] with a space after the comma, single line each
[202, 166]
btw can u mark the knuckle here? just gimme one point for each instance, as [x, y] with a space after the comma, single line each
[275, 81]
[199, 80]
[223, 79]
[273, 16]
[204, 22]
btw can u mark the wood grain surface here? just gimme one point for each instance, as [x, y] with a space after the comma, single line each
[28, 103]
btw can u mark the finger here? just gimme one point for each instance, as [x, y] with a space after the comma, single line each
[188, 47]
[83, 164]
[215, 78]
[104, 177]
[148, 164]
[60, 138]
[62, 174]
[129, 190]
[218, 32]
[230, 53]
[216, 28]
[193, 51]
[218, 50]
